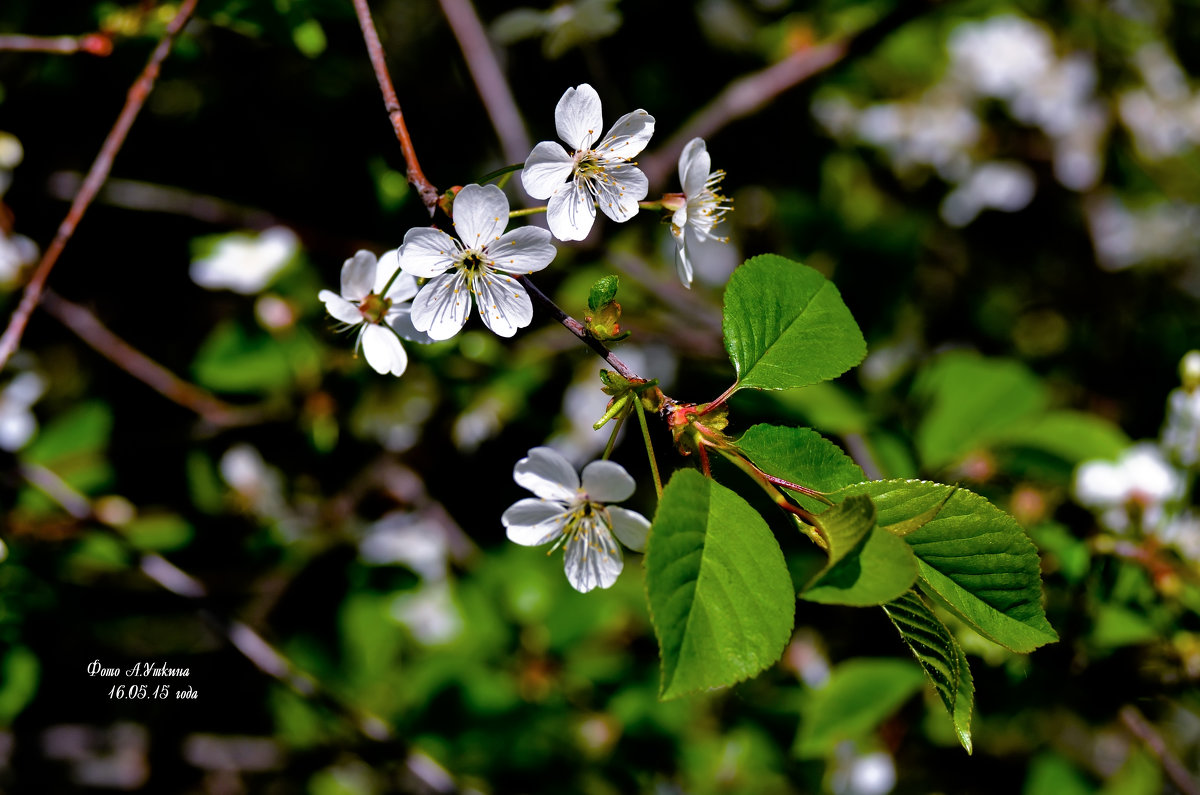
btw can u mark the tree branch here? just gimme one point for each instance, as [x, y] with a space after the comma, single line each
[489, 79]
[142, 367]
[416, 177]
[136, 97]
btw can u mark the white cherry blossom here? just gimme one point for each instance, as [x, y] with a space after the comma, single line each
[478, 267]
[591, 175]
[375, 299]
[702, 208]
[574, 515]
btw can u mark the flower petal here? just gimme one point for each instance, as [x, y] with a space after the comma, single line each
[480, 214]
[427, 252]
[389, 263]
[694, 165]
[358, 275]
[548, 475]
[621, 191]
[524, 250]
[630, 527]
[442, 306]
[592, 558]
[531, 522]
[607, 481]
[340, 308]
[628, 136]
[571, 213]
[400, 319]
[383, 350]
[578, 117]
[404, 286]
[503, 304]
[546, 169]
[683, 266]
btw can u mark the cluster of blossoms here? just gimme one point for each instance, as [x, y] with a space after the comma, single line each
[424, 291]
[1145, 491]
[482, 266]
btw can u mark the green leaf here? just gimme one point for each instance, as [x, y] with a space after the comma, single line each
[603, 292]
[972, 402]
[232, 360]
[827, 407]
[83, 430]
[18, 683]
[158, 532]
[802, 456]
[867, 565]
[940, 656]
[859, 695]
[786, 326]
[720, 595]
[971, 556]
[1051, 774]
[1071, 435]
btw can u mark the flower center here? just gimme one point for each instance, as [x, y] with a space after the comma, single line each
[374, 307]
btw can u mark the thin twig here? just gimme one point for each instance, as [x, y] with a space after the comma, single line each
[489, 79]
[575, 327]
[742, 97]
[89, 329]
[1180, 776]
[91, 43]
[416, 177]
[138, 93]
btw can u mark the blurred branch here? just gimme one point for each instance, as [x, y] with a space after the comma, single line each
[136, 97]
[489, 79]
[137, 364]
[742, 97]
[416, 177]
[91, 43]
[1140, 727]
[751, 93]
[145, 196]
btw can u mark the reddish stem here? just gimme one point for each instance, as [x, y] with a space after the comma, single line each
[138, 93]
[91, 43]
[416, 177]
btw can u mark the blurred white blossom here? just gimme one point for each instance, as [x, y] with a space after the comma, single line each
[1164, 115]
[11, 154]
[1181, 433]
[16, 252]
[258, 484]
[429, 612]
[1139, 484]
[246, 263]
[17, 422]
[410, 540]
[855, 773]
[1007, 186]
[1124, 236]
